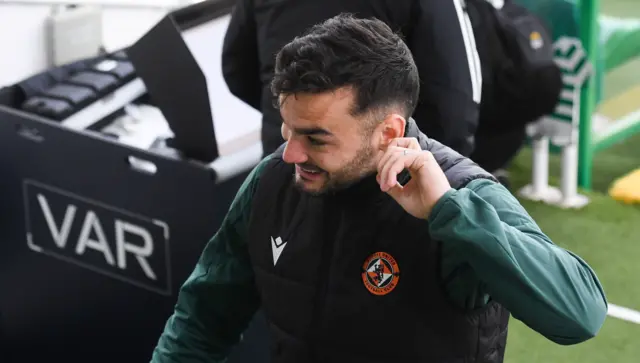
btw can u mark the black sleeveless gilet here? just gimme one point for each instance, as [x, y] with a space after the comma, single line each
[357, 279]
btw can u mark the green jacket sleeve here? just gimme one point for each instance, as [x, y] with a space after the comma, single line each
[218, 299]
[507, 257]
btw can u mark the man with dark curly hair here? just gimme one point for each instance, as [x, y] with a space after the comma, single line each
[363, 240]
[438, 33]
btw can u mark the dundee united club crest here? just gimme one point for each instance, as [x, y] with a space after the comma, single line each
[380, 273]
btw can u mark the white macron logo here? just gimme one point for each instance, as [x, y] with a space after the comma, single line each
[277, 246]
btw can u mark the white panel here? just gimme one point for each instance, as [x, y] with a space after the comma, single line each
[236, 124]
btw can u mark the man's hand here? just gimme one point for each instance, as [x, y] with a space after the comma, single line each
[428, 183]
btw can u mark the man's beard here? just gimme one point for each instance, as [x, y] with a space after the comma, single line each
[354, 171]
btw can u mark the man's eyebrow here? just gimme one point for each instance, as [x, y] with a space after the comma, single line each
[311, 131]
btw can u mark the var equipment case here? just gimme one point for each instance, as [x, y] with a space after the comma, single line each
[97, 236]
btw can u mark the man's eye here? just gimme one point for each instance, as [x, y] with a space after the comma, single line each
[315, 142]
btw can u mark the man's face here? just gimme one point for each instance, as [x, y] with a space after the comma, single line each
[329, 147]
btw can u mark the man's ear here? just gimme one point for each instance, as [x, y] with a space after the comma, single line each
[392, 127]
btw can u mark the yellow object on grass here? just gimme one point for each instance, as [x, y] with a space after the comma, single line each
[620, 105]
[627, 188]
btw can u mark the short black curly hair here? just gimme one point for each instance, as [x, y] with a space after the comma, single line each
[345, 51]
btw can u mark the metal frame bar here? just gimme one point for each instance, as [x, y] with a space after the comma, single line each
[589, 11]
[590, 142]
[621, 130]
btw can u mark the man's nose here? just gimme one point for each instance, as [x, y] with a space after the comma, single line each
[294, 152]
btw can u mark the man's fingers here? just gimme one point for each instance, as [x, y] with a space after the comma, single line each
[407, 142]
[388, 154]
[397, 159]
[401, 153]
[398, 145]
[394, 163]
[391, 169]
[396, 192]
[390, 158]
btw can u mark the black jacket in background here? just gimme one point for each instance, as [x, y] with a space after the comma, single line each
[438, 33]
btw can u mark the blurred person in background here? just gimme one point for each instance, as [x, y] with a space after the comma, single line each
[438, 33]
[521, 80]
